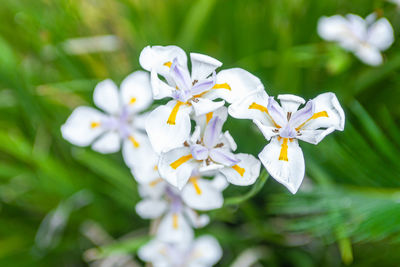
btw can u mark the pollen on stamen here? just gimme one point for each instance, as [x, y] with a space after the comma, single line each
[94, 124]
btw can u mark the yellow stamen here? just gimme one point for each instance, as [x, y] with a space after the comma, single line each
[313, 117]
[284, 150]
[132, 101]
[174, 165]
[261, 108]
[222, 86]
[155, 182]
[209, 116]
[168, 64]
[239, 169]
[193, 180]
[94, 125]
[133, 141]
[174, 112]
[175, 221]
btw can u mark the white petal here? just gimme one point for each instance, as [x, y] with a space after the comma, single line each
[175, 230]
[219, 182]
[203, 66]
[159, 88]
[369, 55]
[209, 249]
[223, 156]
[289, 173]
[327, 102]
[245, 172]
[152, 252]
[266, 130]
[139, 121]
[178, 174]
[154, 189]
[200, 194]
[110, 142]
[380, 34]
[79, 130]
[241, 109]
[241, 83]
[154, 58]
[197, 221]
[290, 103]
[228, 140]
[202, 120]
[151, 208]
[106, 97]
[314, 136]
[204, 106]
[136, 91]
[164, 136]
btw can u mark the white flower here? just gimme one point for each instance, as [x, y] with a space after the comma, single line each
[205, 251]
[168, 126]
[283, 157]
[120, 122]
[209, 150]
[365, 38]
[396, 2]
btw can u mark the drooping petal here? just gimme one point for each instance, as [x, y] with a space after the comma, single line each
[290, 103]
[234, 84]
[163, 135]
[213, 132]
[223, 156]
[199, 152]
[106, 97]
[181, 76]
[151, 208]
[200, 194]
[175, 229]
[157, 58]
[83, 126]
[136, 92]
[203, 66]
[160, 89]
[243, 173]
[267, 131]
[176, 166]
[203, 106]
[228, 141]
[276, 112]
[209, 248]
[109, 142]
[369, 55]
[285, 163]
[380, 34]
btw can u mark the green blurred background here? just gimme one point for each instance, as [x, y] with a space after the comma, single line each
[66, 206]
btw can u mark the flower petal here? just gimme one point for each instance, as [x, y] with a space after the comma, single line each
[176, 166]
[159, 88]
[181, 76]
[154, 189]
[267, 131]
[333, 28]
[213, 132]
[83, 126]
[152, 252]
[203, 85]
[200, 194]
[209, 249]
[290, 173]
[276, 112]
[156, 57]
[369, 55]
[223, 156]
[164, 136]
[314, 136]
[219, 182]
[202, 120]
[151, 208]
[199, 152]
[380, 34]
[175, 229]
[228, 140]
[290, 103]
[110, 142]
[245, 172]
[203, 106]
[197, 221]
[203, 66]
[302, 115]
[136, 92]
[239, 83]
[106, 97]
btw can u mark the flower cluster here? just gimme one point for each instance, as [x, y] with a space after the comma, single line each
[180, 154]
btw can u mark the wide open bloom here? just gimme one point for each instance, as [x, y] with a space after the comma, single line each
[208, 151]
[365, 38]
[120, 121]
[195, 91]
[204, 251]
[284, 125]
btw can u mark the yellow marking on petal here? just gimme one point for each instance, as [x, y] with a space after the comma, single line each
[168, 64]
[313, 117]
[193, 180]
[175, 221]
[94, 125]
[174, 165]
[200, 95]
[239, 169]
[209, 116]
[133, 141]
[155, 167]
[132, 101]
[222, 86]
[284, 150]
[174, 113]
[155, 182]
[261, 108]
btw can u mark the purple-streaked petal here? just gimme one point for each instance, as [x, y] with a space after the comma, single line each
[199, 152]
[276, 112]
[181, 76]
[203, 85]
[223, 156]
[302, 115]
[213, 132]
